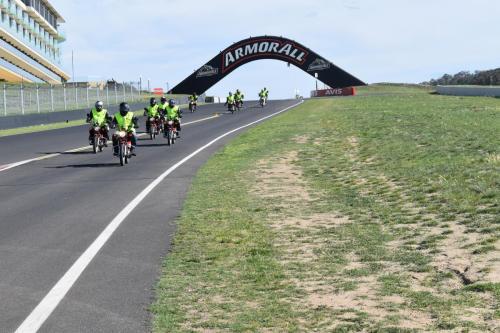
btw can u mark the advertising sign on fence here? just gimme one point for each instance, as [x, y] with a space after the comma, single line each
[158, 91]
[350, 91]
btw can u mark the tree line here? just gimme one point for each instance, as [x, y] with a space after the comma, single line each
[480, 78]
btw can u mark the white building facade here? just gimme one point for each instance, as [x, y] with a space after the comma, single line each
[30, 39]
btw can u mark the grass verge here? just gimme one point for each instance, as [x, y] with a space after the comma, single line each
[375, 213]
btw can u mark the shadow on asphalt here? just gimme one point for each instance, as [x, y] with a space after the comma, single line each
[152, 145]
[68, 153]
[94, 165]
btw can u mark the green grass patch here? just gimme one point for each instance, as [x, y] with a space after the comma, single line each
[393, 173]
[41, 128]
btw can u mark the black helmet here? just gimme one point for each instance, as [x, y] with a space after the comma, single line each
[171, 103]
[124, 108]
[99, 105]
[152, 101]
[163, 99]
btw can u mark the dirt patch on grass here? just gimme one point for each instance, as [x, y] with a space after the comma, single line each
[303, 240]
[493, 158]
[302, 139]
[281, 180]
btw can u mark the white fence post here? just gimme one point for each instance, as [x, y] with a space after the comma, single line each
[116, 93]
[22, 98]
[4, 99]
[107, 94]
[88, 101]
[51, 98]
[76, 95]
[64, 94]
[124, 95]
[38, 98]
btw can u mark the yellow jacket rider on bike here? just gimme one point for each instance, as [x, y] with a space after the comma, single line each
[98, 116]
[238, 97]
[193, 102]
[152, 111]
[174, 113]
[127, 122]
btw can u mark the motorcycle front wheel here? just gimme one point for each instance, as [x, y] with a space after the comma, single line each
[121, 154]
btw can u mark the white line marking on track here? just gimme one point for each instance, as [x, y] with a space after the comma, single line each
[49, 303]
[41, 158]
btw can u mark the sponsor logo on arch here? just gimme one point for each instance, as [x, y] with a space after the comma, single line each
[270, 47]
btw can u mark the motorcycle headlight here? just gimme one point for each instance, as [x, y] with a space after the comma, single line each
[97, 129]
[151, 119]
[122, 134]
[170, 122]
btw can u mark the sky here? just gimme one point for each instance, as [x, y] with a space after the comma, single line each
[164, 41]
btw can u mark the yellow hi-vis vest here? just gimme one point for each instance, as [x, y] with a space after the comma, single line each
[99, 117]
[125, 123]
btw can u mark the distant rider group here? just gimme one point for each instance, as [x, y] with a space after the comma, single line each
[234, 102]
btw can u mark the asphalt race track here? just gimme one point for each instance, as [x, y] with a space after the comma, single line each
[52, 210]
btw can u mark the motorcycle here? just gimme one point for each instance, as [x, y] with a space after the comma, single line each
[262, 102]
[99, 140]
[239, 105]
[170, 132]
[124, 147]
[154, 128]
[231, 107]
[192, 106]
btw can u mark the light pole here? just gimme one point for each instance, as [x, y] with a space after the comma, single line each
[316, 76]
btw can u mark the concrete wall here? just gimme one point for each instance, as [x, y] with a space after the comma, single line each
[469, 90]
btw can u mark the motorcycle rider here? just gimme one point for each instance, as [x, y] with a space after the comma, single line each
[152, 111]
[174, 113]
[127, 122]
[98, 116]
[230, 100]
[262, 95]
[238, 97]
[266, 93]
[193, 101]
[163, 105]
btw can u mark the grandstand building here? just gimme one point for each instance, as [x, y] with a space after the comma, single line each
[30, 39]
